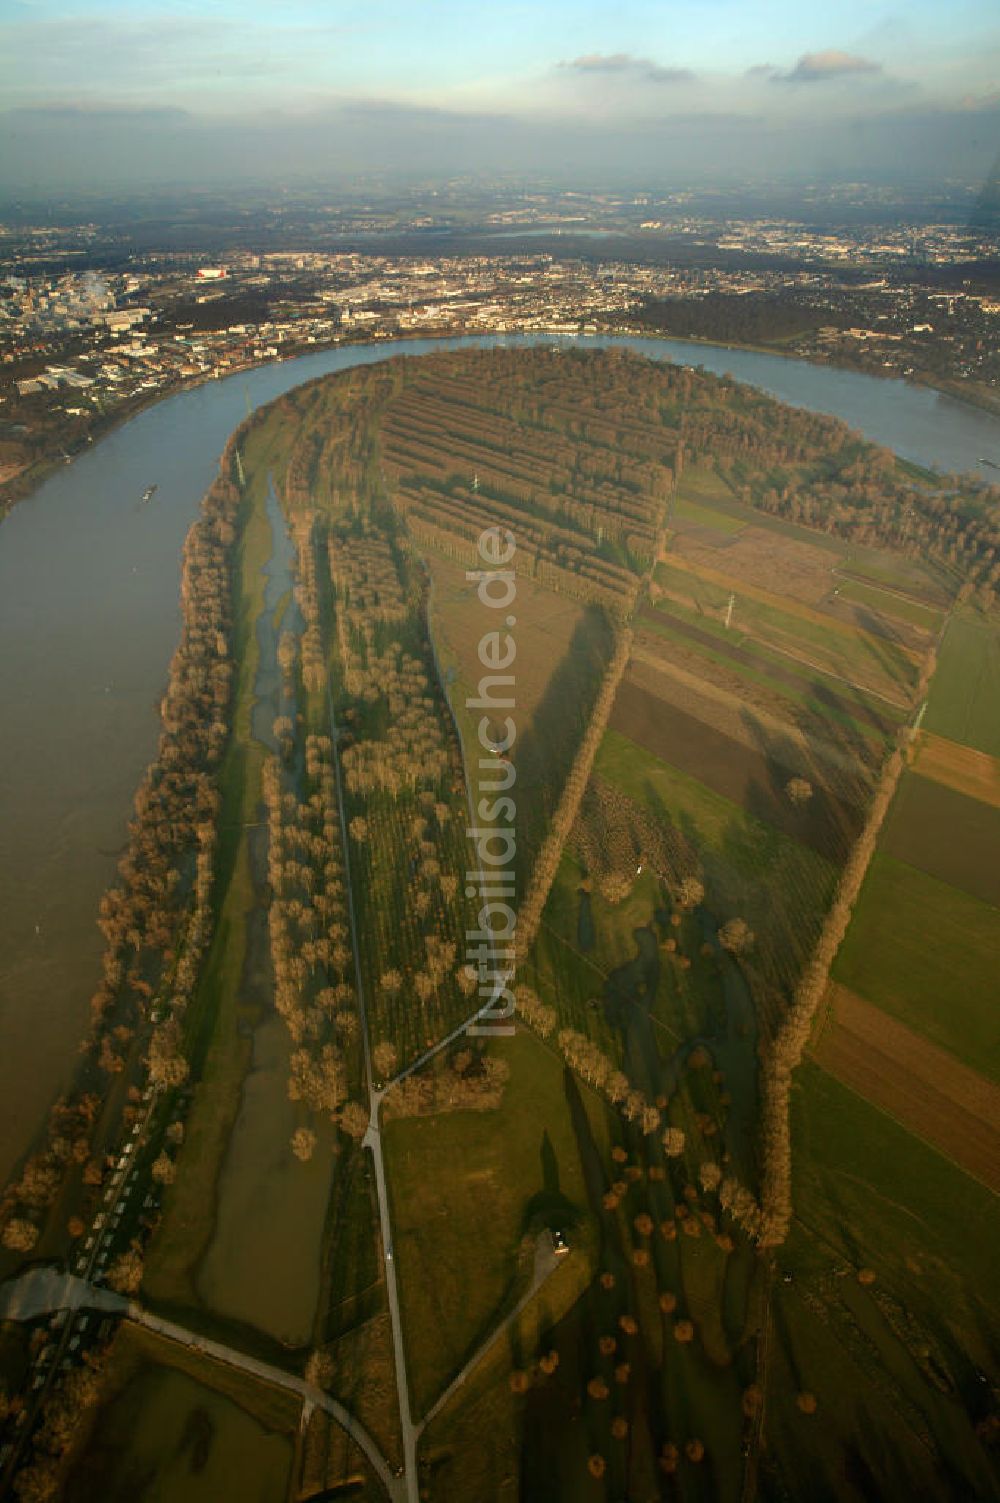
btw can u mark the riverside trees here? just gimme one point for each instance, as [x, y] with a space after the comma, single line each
[157, 919]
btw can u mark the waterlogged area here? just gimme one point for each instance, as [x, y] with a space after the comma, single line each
[167, 1438]
[263, 1264]
[89, 618]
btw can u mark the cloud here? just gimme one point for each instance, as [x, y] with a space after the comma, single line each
[819, 67]
[624, 63]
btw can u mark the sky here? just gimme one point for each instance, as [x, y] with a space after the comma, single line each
[108, 94]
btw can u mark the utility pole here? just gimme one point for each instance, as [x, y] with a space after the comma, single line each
[729, 609]
[475, 482]
[240, 471]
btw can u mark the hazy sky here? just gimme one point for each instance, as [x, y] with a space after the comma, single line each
[103, 92]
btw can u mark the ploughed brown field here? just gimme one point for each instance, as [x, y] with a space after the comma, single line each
[923, 1087]
[814, 685]
[961, 767]
[755, 781]
[946, 834]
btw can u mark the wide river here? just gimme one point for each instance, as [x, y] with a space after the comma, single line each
[89, 617]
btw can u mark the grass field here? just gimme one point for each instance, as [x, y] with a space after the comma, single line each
[964, 701]
[778, 885]
[930, 955]
[684, 510]
[466, 1188]
[889, 603]
[790, 627]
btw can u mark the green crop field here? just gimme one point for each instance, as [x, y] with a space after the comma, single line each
[889, 603]
[706, 516]
[930, 955]
[964, 701]
[842, 651]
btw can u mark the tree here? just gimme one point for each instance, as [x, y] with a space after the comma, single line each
[385, 1057]
[736, 936]
[164, 1170]
[799, 790]
[20, 1235]
[125, 1274]
[167, 1066]
[354, 1120]
[691, 892]
[303, 1144]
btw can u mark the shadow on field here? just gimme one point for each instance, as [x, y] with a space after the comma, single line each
[547, 745]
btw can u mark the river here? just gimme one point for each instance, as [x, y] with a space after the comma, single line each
[89, 616]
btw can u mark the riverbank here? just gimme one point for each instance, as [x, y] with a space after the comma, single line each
[21, 486]
[973, 393]
[88, 602]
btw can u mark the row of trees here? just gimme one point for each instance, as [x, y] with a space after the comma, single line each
[786, 1049]
[468, 1081]
[564, 818]
[157, 919]
[307, 599]
[309, 930]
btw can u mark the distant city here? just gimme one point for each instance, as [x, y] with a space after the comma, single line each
[94, 320]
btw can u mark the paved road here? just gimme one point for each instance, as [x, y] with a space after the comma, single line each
[373, 1141]
[279, 1378]
[42, 1291]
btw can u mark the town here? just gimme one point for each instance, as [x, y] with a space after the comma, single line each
[82, 348]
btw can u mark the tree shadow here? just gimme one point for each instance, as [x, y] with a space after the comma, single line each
[546, 747]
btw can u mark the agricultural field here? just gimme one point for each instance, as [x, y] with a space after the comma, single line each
[964, 703]
[919, 1084]
[960, 767]
[929, 954]
[906, 1341]
[875, 663]
[947, 834]
[547, 1259]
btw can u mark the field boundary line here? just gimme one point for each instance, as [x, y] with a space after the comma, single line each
[787, 604]
[904, 1127]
